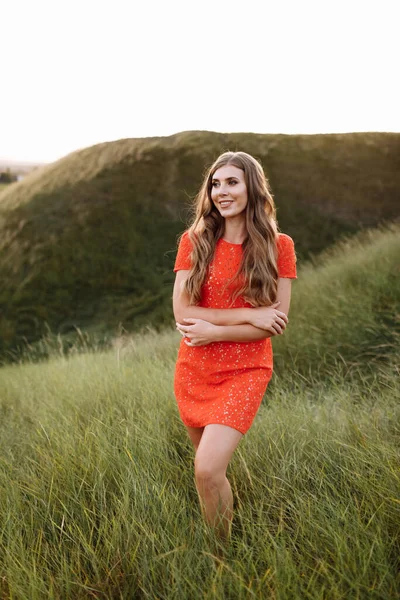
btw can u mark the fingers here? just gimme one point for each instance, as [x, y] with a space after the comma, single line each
[271, 329]
[183, 328]
[281, 322]
[187, 333]
[194, 343]
[277, 312]
[277, 327]
[282, 315]
[274, 328]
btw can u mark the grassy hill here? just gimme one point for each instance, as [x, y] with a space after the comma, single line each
[89, 241]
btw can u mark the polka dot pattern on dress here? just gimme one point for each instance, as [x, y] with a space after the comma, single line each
[224, 382]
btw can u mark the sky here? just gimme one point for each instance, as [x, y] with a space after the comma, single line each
[79, 72]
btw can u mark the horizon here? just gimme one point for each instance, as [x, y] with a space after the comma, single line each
[28, 162]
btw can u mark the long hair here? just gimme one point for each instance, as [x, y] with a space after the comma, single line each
[258, 274]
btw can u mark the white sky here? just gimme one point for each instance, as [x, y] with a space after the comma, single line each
[78, 72]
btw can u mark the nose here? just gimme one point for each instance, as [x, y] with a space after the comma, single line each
[222, 190]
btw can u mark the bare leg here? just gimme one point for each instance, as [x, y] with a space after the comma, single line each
[215, 450]
[195, 434]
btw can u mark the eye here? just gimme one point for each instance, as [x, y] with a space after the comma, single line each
[214, 184]
[233, 181]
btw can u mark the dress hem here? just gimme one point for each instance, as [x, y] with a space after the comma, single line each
[216, 423]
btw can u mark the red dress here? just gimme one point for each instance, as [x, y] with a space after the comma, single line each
[224, 382]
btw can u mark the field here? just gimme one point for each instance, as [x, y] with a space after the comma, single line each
[97, 498]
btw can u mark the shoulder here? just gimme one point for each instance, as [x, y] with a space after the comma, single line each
[284, 244]
[183, 261]
[286, 259]
[284, 240]
[184, 239]
[185, 236]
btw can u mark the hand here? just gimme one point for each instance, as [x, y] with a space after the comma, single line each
[197, 332]
[269, 318]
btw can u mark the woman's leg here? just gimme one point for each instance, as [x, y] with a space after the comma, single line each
[195, 434]
[215, 450]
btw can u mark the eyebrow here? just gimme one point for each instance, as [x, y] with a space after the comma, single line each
[226, 179]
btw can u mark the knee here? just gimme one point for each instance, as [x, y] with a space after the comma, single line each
[207, 476]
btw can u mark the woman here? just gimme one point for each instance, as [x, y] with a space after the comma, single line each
[231, 295]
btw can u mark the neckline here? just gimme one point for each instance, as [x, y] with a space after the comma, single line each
[230, 243]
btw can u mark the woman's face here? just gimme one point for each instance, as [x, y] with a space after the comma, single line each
[229, 192]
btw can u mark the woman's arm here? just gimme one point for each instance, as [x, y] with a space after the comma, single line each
[183, 310]
[249, 333]
[218, 316]
[260, 317]
[199, 332]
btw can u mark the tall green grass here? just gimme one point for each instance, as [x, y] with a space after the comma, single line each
[97, 498]
[346, 307]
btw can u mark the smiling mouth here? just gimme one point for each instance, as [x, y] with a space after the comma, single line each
[225, 203]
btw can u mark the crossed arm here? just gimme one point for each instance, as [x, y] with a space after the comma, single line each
[202, 325]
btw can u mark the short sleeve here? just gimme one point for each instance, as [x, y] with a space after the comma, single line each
[286, 257]
[183, 261]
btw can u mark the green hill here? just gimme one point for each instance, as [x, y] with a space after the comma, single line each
[89, 241]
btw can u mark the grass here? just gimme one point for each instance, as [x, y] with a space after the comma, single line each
[97, 495]
[346, 306]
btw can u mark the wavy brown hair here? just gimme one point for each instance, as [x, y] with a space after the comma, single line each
[258, 273]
